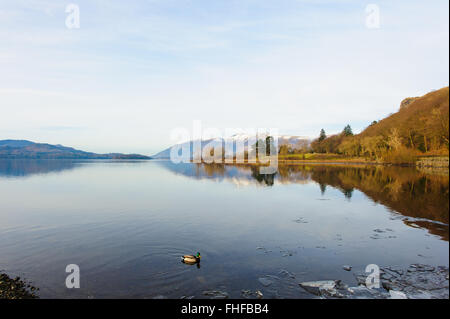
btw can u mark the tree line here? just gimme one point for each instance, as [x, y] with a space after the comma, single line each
[420, 127]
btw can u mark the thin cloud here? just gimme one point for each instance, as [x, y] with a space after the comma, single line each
[147, 68]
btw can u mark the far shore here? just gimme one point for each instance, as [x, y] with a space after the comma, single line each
[422, 162]
[435, 162]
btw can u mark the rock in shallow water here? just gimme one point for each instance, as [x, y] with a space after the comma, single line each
[347, 268]
[265, 282]
[397, 295]
[247, 294]
[319, 288]
[418, 282]
[362, 292]
[216, 294]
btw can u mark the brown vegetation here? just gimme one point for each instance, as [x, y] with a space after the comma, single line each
[420, 127]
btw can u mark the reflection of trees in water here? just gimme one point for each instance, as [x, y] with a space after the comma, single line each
[267, 179]
[323, 188]
[348, 192]
[211, 170]
[404, 190]
[242, 172]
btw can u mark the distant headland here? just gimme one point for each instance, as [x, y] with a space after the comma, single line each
[22, 149]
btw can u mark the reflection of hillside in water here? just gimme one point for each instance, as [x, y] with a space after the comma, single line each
[403, 190]
[421, 197]
[24, 167]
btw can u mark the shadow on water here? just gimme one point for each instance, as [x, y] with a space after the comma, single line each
[24, 167]
[417, 195]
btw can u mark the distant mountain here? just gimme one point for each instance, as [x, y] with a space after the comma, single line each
[15, 149]
[240, 144]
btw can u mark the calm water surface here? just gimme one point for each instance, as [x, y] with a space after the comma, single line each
[126, 224]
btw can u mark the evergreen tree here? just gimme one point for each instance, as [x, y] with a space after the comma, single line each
[322, 135]
[348, 130]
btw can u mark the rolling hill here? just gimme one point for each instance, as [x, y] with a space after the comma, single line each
[419, 127]
[417, 118]
[22, 149]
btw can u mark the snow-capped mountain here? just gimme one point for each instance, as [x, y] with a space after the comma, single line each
[241, 143]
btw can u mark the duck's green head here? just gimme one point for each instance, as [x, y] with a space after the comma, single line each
[198, 255]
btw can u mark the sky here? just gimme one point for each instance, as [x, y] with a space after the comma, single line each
[133, 71]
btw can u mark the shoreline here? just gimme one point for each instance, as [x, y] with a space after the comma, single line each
[420, 164]
[418, 281]
[16, 288]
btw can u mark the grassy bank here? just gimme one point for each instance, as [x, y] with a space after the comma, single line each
[325, 158]
[436, 162]
[428, 162]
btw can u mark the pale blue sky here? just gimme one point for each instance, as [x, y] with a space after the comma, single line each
[135, 70]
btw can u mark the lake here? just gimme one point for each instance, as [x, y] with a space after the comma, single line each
[127, 223]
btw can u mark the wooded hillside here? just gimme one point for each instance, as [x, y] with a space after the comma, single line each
[420, 127]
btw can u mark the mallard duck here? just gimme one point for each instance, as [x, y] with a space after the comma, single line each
[191, 259]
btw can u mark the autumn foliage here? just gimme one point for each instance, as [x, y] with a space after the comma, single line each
[420, 127]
